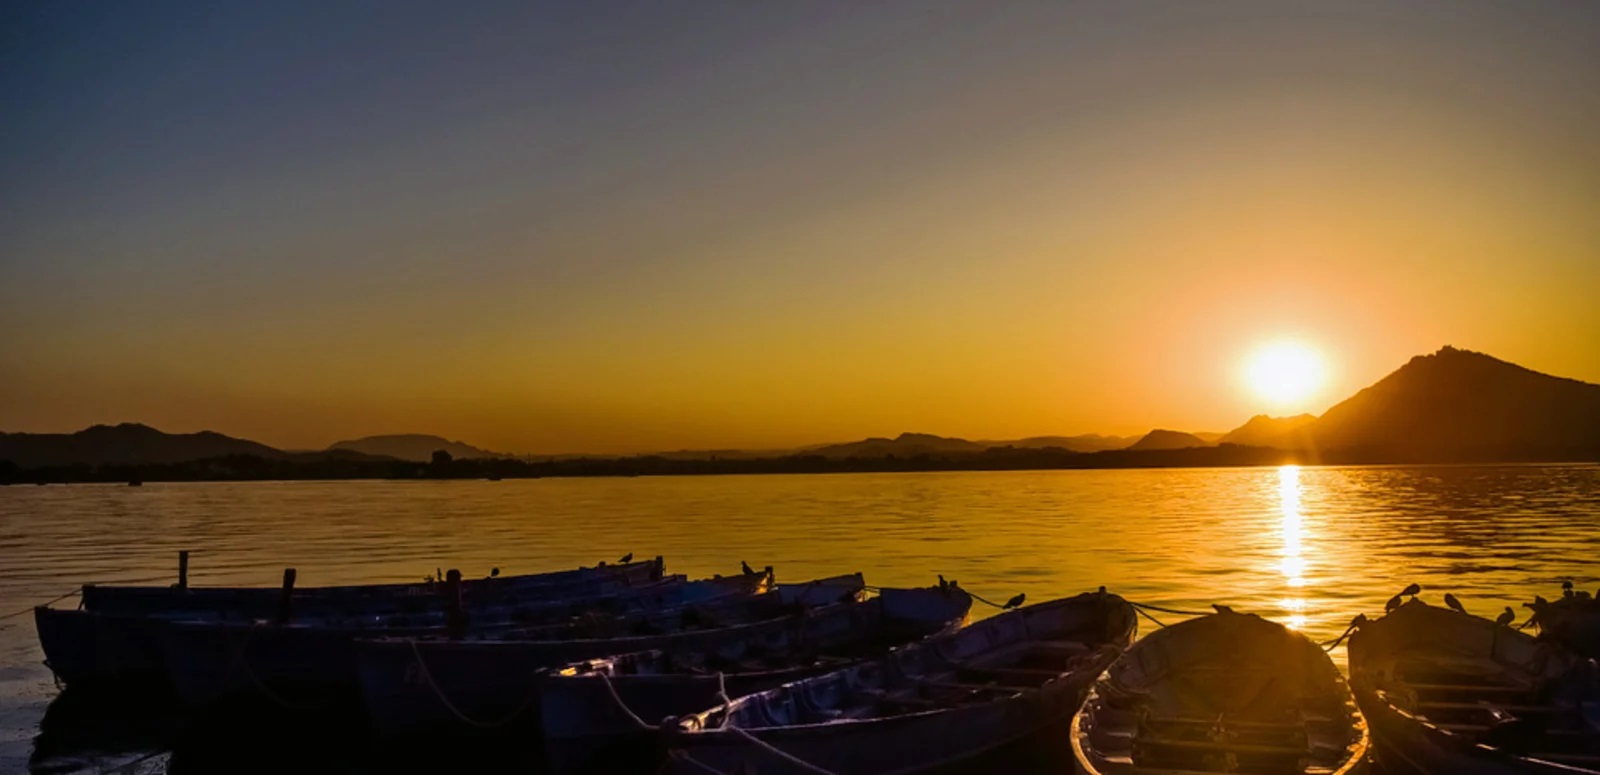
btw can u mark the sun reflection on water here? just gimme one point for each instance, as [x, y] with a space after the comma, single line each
[1293, 565]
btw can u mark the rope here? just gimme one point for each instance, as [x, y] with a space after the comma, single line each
[1177, 611]
[605, 679]
[30, 608]
[979, 598]
[780, 753]
[1140, 611]
[682, 756]
[1333, 644]
[241, 663]
[422, 668]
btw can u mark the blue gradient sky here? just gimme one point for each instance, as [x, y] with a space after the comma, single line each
[619, 226]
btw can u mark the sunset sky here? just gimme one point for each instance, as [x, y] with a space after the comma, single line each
[615, 227]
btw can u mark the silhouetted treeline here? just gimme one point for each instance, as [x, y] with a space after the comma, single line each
[250, 467]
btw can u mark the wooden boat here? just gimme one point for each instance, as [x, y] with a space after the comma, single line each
[587, 708]
[941, 702]
[207, 662]
[488, 681]
[126, 649]
[1226, 692]
[261, 602]
[1448, 692]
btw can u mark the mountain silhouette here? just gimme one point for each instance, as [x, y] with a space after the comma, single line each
[125, 444]
[1458, 405]
[412, 446]
[904, 445]
[1087, 442]
[1451, 406]
[1165, 439]
[1276, 432]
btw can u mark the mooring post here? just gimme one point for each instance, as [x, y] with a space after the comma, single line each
[183, 569]
[288, 594]
[455, 617]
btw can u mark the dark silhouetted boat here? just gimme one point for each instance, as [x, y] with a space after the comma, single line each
[487, 681]
[127, 649]
[950, 700]
[208, 662]
[1448, 692]
[411, 596]
[588, 709]
[1227, 692]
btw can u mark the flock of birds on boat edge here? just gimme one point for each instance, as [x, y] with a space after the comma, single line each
[623, 667]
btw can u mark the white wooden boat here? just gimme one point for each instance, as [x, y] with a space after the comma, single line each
[950, 700]
[588, 708]
[1448, 692]
[1227, 692]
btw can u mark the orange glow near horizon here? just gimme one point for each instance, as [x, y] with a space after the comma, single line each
[781, 227]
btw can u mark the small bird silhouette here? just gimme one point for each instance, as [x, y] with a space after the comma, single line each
[1506, 618]
[626, 558]
[1411, 589]
[1450, 600]
[944, 586]
[1566, 589]
[1394, 602]
[494, 572]
[745, 566]
[1016, 601]
[1222, 609]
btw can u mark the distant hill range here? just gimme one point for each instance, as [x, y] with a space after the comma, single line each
[1276, 432]
[125, 444]
[1451, 406]
[413, 446]
[1161, 438]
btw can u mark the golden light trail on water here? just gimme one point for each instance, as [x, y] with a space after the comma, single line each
[1294, 563]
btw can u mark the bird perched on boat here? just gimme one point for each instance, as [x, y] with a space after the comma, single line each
[1450, 600]
[944, 586]
[1506, 618]
[1222, 609]
[1015, 602]
[745, 566]
[1412, 589]
[626, 558]
[494, 572]
[1566, 588]
[1394, 602]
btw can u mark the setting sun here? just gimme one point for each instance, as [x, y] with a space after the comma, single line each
[1285, 373]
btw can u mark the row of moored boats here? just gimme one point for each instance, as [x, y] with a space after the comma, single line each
[623, 667]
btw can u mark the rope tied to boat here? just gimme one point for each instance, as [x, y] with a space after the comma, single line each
[1176, 611]
[1359, 620]
[241, 661]
[617, 698]
[427, 678]
[1146, 614]
[30, 608]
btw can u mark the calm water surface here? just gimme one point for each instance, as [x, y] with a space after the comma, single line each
[1309, 547]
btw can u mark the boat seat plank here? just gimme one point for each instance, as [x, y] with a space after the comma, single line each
[1197, 745]
[1226, 723]
[1507, 707]
[1479, 688]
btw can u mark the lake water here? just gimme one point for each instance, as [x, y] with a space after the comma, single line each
[1310, 547]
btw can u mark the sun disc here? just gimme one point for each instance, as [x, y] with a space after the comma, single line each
[1285, 373]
